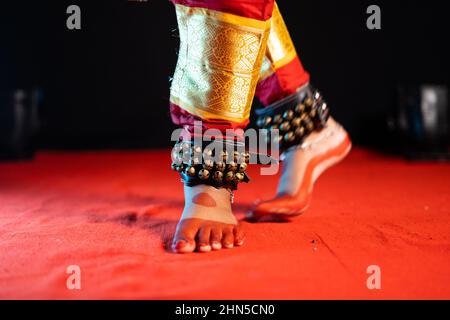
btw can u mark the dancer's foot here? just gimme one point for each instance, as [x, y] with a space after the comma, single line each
[207, 222]
[301, 168]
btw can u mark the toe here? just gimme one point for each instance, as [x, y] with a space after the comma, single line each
[183, 241]
[183, 246]
[239, 235]
[216, 238]
[203, 236]
[228, 237]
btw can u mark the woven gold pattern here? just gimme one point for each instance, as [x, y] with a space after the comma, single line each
[219, 62]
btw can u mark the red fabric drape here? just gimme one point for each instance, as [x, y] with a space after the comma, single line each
[283, 82]
[255, 9]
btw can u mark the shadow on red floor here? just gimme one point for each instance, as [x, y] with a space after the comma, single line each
[112, 213]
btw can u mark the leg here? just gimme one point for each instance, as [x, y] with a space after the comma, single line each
[222, 44]
[310, 150]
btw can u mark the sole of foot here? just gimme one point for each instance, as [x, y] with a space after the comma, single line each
[302, 168]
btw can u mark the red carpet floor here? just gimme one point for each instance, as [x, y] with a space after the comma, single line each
[112, 213]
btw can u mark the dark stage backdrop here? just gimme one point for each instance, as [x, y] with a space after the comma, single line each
[107, 85]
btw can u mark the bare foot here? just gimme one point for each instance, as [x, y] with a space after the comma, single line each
[207, 222]
[301, 168]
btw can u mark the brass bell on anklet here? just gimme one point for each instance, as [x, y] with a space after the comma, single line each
[239, 177]
[300, 108]
[190, 171]
[296, 122]
[220, 166]
[203, 174]
[208, 165]
[217, 176]
[242, 167]
[224, 156]
[299, 132]
[285, 126]
[236, 156]
[263, 121]
[232, 166]
[289, 136]
[309, 125]
[229, 176]
[309, 102]
[288, 114]
[277, 119]
[317, 95]
[247, 157]
[306, 121]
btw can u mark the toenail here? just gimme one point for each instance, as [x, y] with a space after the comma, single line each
[228, 245]
[179, 244]
[205, 248]
[216, 245]
[240, 242]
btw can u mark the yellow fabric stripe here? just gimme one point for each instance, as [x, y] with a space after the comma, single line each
[280, 48]
[285, 60]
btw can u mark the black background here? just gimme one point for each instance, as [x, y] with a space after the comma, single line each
[107, 85]
[165, 309]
